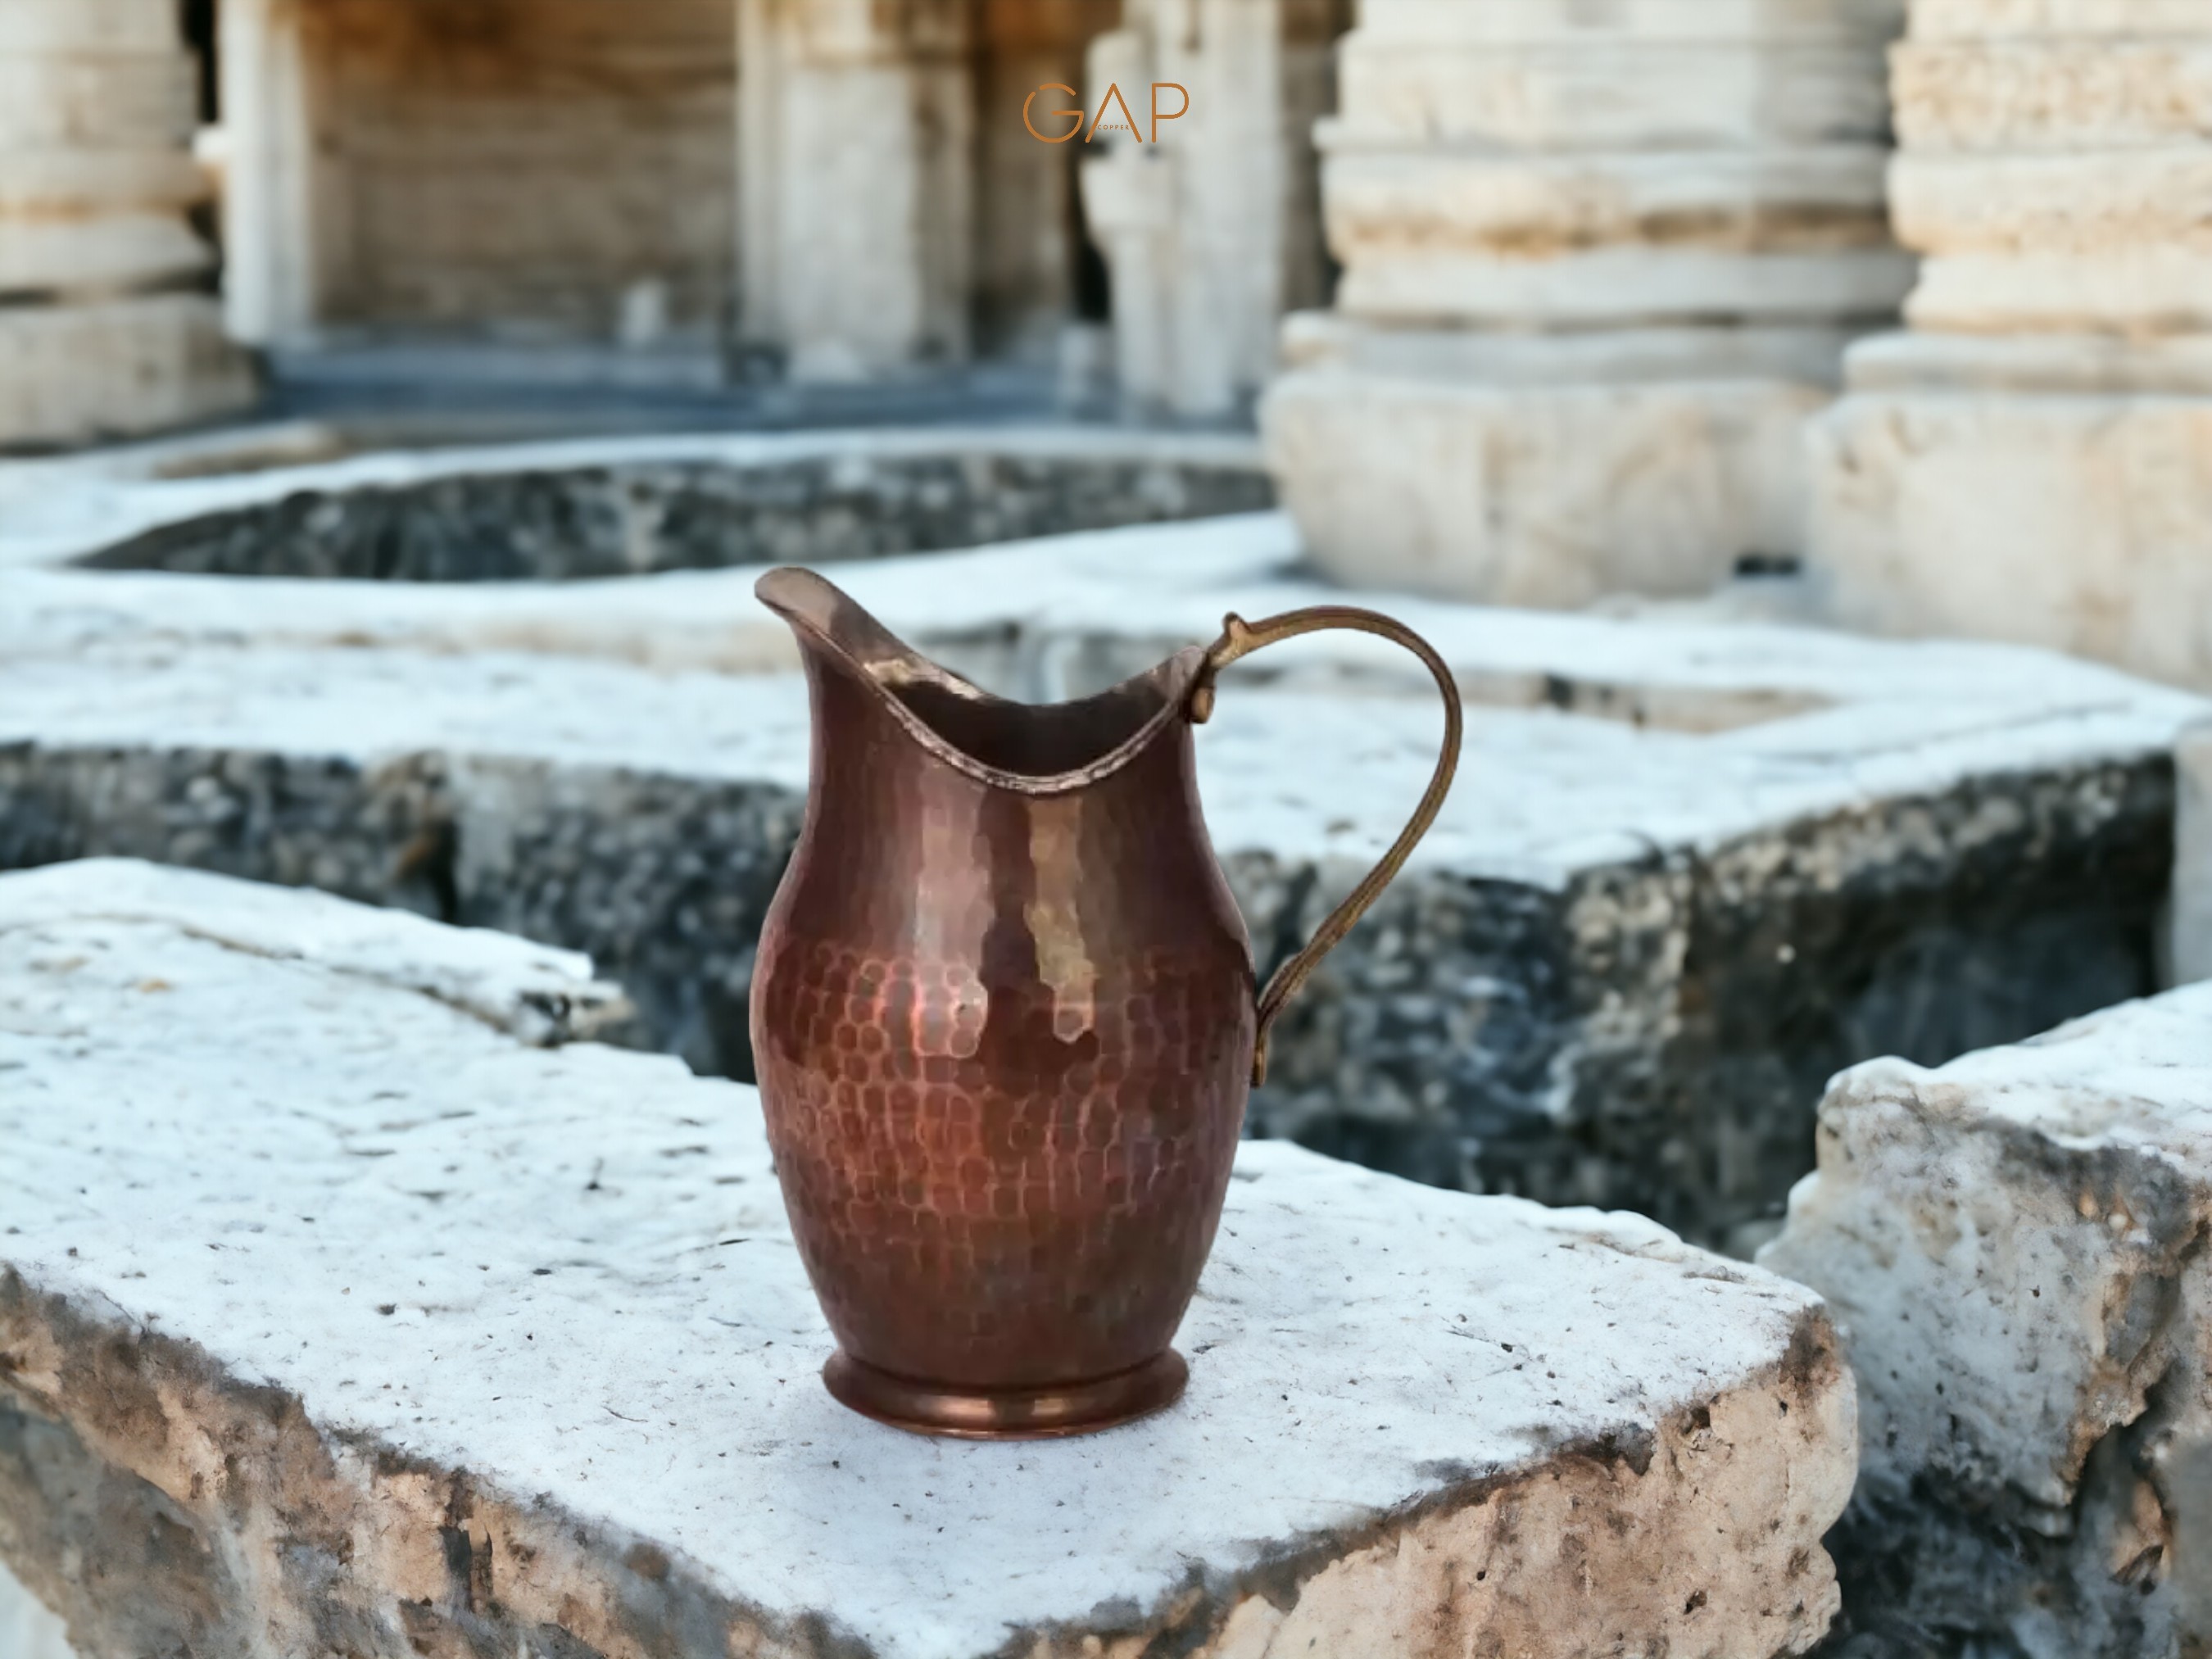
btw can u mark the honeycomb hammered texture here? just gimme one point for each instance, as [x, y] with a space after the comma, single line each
[1004, 1042]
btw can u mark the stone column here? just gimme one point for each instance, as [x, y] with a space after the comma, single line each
[1209, 228]
[1599, 263]
[856, 129]
[2033, 459]
[104, 329]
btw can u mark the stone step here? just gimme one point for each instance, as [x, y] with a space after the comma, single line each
[2095, 365]
[2018, 1245]
[1609, 96]
[2139, 290]
[2063, 94]
[1689, 872]
[81, 182]
[454, 1344]
[75, 374]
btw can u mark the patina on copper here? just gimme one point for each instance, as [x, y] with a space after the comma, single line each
[1004, 1022]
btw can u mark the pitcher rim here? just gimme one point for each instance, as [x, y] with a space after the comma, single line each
[1175, 678]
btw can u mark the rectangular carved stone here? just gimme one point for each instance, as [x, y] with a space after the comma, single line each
[2019, 1246]
[448, 1344]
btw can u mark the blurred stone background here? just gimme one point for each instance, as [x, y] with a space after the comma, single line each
[1792, 419]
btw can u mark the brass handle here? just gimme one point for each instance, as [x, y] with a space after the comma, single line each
[1241, 639]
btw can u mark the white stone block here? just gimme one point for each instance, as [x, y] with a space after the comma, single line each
[1517, 22]
[75, 182]
[2018, 1245]
[1528, 208]
[1808, 353]
[123, 101]
[454, 1344]
[2174, 365]
[2081, 523]
[1629, 286]
[71, 373]
[2057, 93]
[1528, 496]
[104, 26]
[1982, 20]
[100, 254]
[1608, 94]
[2130, 290]
[2189, 949]
[2091, 205]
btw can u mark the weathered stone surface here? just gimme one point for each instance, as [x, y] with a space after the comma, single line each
[2190, 949]
[1695, 190]
[1611, 93]
[2018, 1245]
[599, 508]
[1999, 95]
[1974, 20]
[2080, 523]
[2050, 485]
[1523, 494]
[96, 105]
[75, 374]
[493, 1349]
[1691, 871]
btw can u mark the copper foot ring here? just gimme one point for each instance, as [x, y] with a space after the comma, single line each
[1044, 1413]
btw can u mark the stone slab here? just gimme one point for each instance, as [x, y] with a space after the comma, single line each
[2139, 290]
[2096, 365]
[500, 1349]
[2071, 93]
[148, 99]
[1609, 96]
[75, 374]
[2017, 1245]
[2099, 204]
[1974, 20]
[615, 507]
[1553, 495]
[2082, 524]
[1691, 870]
[1516, 23]
[1631, 285]
[1533, 207]
[76, 181]
[1808, 354]
[2190, 952]
[99, 254]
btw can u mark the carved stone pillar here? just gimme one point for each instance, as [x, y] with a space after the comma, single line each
[1599, 263]
[105, 327]
[856, 137]
[2033, 459]
[1210, 230]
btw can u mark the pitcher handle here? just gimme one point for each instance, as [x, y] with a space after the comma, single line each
[1240, 639]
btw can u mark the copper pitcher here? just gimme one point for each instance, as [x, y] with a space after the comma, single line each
[1004, 1022]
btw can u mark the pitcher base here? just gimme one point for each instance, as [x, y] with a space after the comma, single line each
[1008, 1413]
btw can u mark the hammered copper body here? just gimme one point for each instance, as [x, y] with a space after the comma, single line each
[1004, 1024]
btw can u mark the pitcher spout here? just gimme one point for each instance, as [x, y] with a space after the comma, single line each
[1037, 749]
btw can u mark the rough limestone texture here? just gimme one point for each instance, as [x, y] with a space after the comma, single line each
[620, 507]
[96, 178]
[2034, 460]
[1689, 872]
[2190, 949]
[2019, 1247]
[1600, 265]
[451, 1345]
